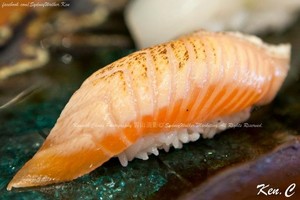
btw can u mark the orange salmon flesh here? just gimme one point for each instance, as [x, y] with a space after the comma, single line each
[195, 79]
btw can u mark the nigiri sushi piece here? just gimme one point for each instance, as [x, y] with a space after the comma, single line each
[157, 98]
[148, 29]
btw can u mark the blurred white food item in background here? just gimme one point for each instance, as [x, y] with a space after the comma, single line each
[155, 21]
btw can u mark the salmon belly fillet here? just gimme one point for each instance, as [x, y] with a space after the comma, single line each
[157, 98]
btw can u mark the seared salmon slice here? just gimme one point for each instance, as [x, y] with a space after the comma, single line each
[157, 98]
